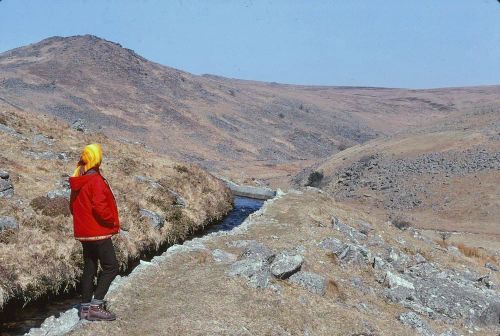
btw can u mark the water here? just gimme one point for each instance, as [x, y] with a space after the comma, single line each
[243, 207]
[15, 320]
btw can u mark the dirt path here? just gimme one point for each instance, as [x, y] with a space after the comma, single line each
[191, 293]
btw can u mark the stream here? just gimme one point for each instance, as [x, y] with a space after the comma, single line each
[16, 320]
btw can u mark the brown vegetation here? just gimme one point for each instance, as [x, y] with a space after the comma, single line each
[52, 207]
[42, 256]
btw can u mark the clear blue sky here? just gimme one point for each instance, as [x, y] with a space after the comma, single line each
[392, 43]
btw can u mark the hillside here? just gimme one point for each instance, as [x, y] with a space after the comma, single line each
[160, 202]
[443, 176]
[242, 129]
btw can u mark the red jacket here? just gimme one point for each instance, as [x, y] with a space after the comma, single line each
[95, 214]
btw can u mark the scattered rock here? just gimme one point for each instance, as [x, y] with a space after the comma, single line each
[393, 280]
[80, 126]
[285, 265]
[491, 266]
[313, 282]
[47, 155]
[154, 219]
[59, 193]
[10, 131]
[365, 228]
[412, 320]
[354, 254]
[258, 251]
[419, 259]
[449, 333]
[486, 281]
[255, 271]
[6, 187]
[332, 244]
[179, 200]
[40, 138]
[376, 240]
[222, 256]
[444, 294]
[349, 232]
[8, 223]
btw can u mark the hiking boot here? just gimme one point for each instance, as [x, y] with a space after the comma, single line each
[99, 313]
[83, 311]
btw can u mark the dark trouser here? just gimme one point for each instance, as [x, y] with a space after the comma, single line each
[104, 252]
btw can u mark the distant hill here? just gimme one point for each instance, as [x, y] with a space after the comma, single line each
[239, 128]
[444, 176]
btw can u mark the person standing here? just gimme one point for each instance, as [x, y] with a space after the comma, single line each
[95, 221]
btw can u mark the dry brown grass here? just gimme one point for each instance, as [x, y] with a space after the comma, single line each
[442, 243]
[58, 206]
[478, 253]
[41, 256]
[333, 290]
[332, 257]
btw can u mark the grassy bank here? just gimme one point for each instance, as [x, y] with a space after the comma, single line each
[41, 256]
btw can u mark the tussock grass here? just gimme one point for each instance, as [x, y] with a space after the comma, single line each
[42, 257]
[333, 290]
[51, 207]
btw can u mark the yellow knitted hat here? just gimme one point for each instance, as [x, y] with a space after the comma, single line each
[91, 158]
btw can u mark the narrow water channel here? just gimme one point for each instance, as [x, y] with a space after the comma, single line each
[15, 320]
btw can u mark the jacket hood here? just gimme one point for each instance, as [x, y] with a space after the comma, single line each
[76, 183]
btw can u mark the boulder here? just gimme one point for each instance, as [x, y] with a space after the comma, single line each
[8, 223]
[222, 256]
[332, 244]
[255, 271]
[258, 251]
[392, 280]
[313, 282]
[413, 321]
[154, 219]
[61, 325]
[285, 265]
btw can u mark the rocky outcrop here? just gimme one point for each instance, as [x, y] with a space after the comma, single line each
[391, 177]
